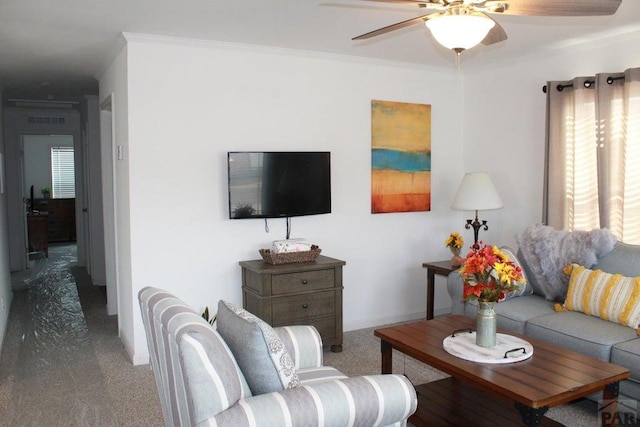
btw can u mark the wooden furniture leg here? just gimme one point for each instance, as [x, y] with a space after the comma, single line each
[387, 355]
[609, 409]
[431, 278]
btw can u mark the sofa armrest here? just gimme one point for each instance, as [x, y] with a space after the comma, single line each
[304, 345]
[367, 400]
[455, 288]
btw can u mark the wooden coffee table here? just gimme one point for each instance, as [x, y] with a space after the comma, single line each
[488, 394]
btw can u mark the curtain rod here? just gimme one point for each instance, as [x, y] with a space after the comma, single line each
[587, 84]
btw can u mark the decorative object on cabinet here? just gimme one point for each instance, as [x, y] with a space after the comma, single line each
[290, 257]
[307, 293]
[400, 157]
[455, 242]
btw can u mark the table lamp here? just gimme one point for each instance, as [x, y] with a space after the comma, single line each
[476, 193]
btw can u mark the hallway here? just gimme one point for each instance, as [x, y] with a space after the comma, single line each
[62, 362]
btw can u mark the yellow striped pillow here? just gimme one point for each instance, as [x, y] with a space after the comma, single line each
[611, 297]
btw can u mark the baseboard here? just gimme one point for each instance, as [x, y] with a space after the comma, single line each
[140, 359]
[4, 322]
[379, 321]
[136, 358]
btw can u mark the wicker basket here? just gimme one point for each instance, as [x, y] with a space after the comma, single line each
[290, 257]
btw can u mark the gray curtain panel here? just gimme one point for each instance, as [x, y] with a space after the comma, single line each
[592, 153]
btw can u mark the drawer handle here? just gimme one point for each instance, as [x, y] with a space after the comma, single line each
[304, 281]
[305, 306]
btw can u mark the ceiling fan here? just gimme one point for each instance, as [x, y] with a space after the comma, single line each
[462, 24]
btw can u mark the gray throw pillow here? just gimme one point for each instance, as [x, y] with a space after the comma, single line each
[258, 349]
[525, 288]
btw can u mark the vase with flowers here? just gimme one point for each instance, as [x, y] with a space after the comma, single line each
[488, 276]
[455, 242]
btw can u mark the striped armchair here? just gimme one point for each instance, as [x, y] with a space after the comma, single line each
[201, 380]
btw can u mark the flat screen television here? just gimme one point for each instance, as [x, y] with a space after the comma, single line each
[272, 184]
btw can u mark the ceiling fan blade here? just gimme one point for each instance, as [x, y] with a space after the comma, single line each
[495, 35]
[431, 3]
[392, 27]
[561, 7]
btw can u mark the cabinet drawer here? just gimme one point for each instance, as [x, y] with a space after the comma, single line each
[302, 281]
[300, 307]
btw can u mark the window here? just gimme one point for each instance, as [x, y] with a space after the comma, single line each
[62, 173]
[593, 149]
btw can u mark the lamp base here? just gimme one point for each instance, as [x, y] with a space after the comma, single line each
[476, 225]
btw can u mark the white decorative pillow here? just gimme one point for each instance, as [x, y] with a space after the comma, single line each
[525, 288]
[611, 297]
[258, 349]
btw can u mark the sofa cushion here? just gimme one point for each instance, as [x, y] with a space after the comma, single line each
[514, 313]
[579, 332]
[610, 297]
[627, 354]
[623, 259]
[258, 349]
[525, 288]
[528, 273]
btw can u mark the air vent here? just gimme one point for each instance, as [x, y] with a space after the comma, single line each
[46, 120]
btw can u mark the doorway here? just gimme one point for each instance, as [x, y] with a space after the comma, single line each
[48, 191]
[79, 122]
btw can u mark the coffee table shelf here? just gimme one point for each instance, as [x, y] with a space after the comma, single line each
[450, 402]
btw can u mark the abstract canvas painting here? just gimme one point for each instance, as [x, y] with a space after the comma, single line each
[400, 157]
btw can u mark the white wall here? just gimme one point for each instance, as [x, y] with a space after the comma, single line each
[114, 89]
[504, 123]
[95, 244]
[5, 274]
[190, 102]
[184, 104]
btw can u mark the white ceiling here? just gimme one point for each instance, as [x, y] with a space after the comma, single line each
[60, 46]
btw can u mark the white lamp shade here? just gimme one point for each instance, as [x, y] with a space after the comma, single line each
[476, 193]
[459, 31]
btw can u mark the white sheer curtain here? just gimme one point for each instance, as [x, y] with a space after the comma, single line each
[593, 154]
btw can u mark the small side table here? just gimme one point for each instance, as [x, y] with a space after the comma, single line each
[442, 268]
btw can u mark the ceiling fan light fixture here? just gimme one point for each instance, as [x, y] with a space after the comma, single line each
[459, 32]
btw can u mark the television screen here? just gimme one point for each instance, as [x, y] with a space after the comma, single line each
[279, 184]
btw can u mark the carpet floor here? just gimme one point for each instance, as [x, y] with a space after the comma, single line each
[63, 364]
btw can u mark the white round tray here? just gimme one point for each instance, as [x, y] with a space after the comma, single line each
[463, 345]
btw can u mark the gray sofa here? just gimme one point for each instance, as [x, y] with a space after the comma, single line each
[534, 316]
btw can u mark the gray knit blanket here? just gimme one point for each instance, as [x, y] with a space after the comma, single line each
[547, 251]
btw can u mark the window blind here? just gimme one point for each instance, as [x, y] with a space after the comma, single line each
[63, 173]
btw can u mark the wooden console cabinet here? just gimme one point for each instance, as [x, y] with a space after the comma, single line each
[37, 229]
[308, 293]
[61, 214]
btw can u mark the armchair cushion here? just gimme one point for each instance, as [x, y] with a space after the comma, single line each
[373, 400]
[319, 374]
[258, 349]
[212, 375]
[304, 344]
